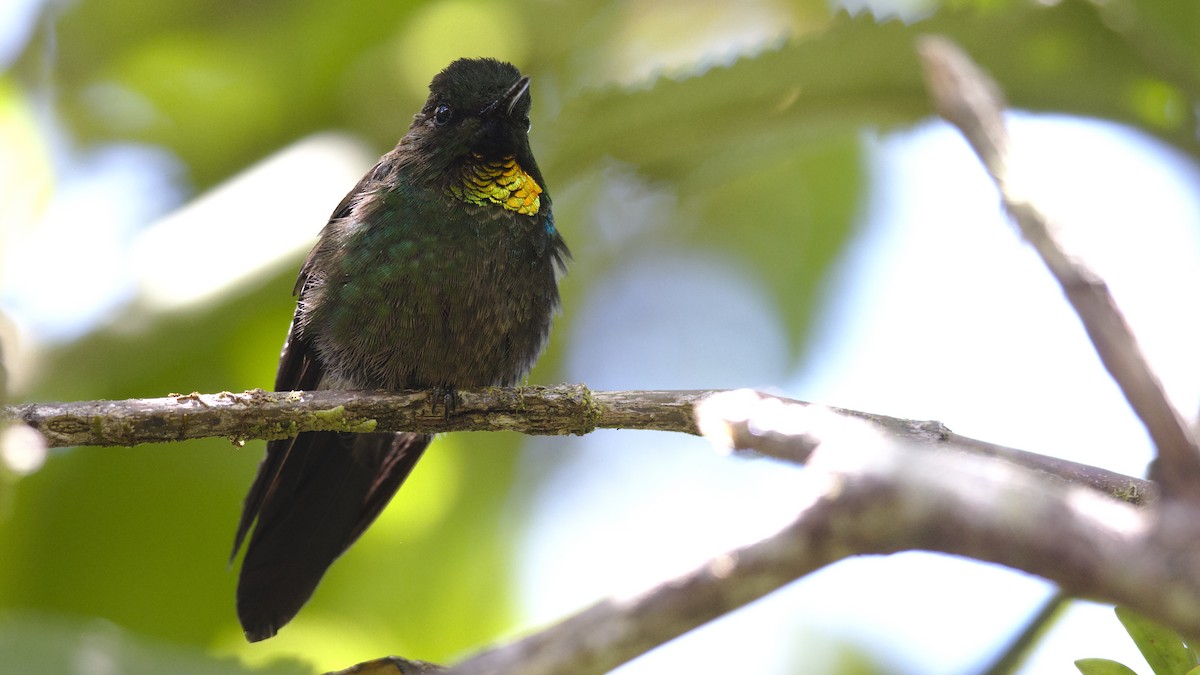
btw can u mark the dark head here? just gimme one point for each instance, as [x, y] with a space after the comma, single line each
[475, 106]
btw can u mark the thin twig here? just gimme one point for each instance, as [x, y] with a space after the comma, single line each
[1010, 659]
[969, 99]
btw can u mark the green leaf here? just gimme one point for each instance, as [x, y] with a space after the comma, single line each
[1103, 667]
[1161, 646]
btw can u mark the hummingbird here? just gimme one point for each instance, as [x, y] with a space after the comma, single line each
[439, 270]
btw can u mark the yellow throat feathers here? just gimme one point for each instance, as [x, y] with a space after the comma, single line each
[502, 182]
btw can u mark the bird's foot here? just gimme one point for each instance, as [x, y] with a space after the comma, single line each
[447, 396]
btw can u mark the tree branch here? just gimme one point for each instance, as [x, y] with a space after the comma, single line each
[557, 410]
[563, 409]
[884, 496]
[868, 493]
[967, 98]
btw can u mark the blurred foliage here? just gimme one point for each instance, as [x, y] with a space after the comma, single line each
[40, 643]
[761, 155]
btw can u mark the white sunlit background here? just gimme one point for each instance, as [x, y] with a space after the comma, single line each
[934, 309]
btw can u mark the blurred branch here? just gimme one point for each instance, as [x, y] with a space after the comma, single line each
[1013, 656]
[558, 410]
[969, 99]
[868, 492]
[880, 495]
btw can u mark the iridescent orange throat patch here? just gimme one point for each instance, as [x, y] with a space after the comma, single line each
[500, 181]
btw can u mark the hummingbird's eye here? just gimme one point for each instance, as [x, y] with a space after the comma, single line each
[528, 125]
[442, 114]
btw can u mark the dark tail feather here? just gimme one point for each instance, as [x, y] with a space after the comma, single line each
[314, 495]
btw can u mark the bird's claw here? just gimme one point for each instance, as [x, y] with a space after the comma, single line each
[447, 396]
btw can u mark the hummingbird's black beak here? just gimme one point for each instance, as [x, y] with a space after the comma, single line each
[510, 98]
[515, 93]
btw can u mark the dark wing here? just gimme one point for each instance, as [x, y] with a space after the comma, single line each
[298, 370]
[313, 496]
[329, 489]
[314, 493]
